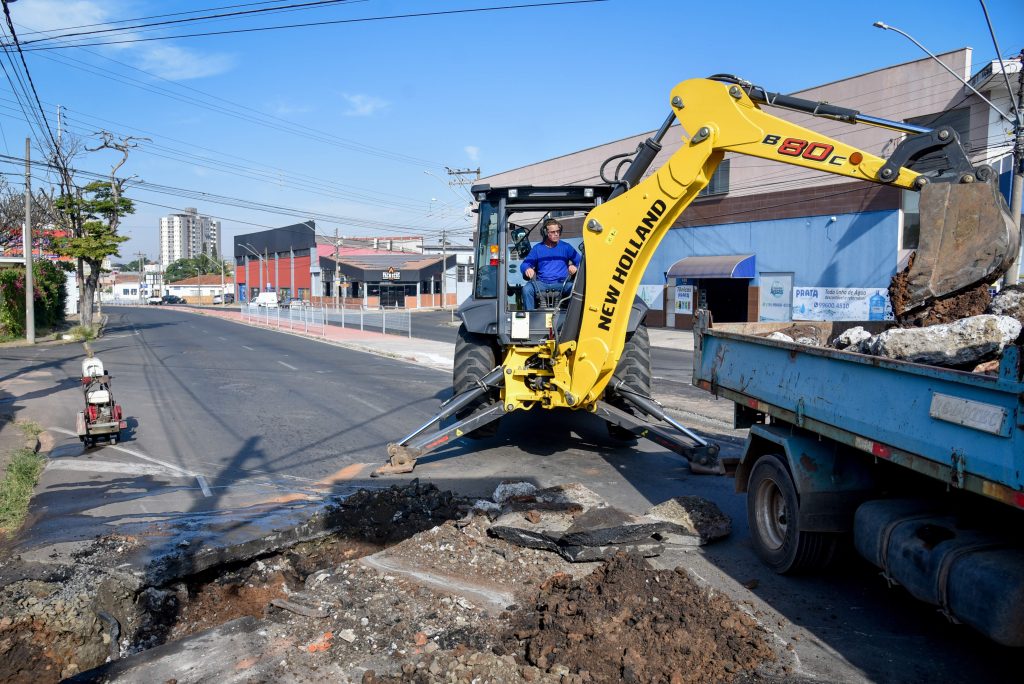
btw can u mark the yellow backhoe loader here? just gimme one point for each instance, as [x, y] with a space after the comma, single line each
[590, 351]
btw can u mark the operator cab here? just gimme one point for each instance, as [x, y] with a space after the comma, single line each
[510, 224]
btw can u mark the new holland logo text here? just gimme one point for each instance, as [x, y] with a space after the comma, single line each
[626, 261]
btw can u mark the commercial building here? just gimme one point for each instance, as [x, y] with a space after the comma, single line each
[297, 263]
[772, 241]
[187, 235]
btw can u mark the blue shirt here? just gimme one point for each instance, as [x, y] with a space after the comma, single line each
[551, 263]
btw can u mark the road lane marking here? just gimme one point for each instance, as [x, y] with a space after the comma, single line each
[223, 339]
[288, 365]
[249, 348]
[138, 454]
[106, 467]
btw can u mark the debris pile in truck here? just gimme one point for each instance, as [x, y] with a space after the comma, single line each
[961, 344]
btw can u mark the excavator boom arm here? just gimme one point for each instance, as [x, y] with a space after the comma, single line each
[621, 236]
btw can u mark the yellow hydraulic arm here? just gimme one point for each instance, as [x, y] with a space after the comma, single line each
[621, 235]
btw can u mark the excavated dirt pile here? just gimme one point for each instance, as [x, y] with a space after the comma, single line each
[450, 603]
[629, 622]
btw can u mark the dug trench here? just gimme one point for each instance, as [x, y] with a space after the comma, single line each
[407, 587]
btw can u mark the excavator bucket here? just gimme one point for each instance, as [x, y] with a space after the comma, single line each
[967, 239]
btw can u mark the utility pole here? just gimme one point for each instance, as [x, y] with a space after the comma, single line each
[1018, 169]
[30, 288]
[142, 273]
[337, 280]
[444, 270]
[459, 173]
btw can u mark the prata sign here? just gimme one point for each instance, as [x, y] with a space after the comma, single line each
[391, 274]
[841, 304]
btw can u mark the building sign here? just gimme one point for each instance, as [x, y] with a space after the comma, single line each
[391, 274]
[684, 299]
[776, 297]
[841, 304]
[652, 296]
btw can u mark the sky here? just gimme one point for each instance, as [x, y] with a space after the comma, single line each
[354, 118]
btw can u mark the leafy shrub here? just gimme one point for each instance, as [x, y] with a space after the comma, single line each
[50, 297]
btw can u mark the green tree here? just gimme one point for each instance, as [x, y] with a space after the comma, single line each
[136, 266]
[190, 268]
[99, 207]
[91, 215]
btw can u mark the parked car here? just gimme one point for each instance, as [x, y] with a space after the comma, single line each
[267, 299]
[155, 300]
[293, 303]
[174, 299]
[224, 299]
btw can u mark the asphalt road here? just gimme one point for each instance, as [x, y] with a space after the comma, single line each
[260, 414]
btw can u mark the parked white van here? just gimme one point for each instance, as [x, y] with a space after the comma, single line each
[267, 299]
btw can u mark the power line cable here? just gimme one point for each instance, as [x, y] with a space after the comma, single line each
[316, 4]
[413, 15]
[155, 16]
[14, 36]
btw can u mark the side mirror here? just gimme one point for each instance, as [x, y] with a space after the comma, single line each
[520, 243]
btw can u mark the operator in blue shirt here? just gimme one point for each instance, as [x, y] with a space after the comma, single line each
[549, 265]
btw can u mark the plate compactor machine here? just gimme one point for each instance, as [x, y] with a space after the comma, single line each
[589, 351]
[102, 418]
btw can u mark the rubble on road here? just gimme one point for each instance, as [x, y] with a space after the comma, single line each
[629, 622]
[696, 521]
[574, 522]
[449, 603]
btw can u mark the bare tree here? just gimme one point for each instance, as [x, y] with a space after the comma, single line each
[92, 215]
[12, 216]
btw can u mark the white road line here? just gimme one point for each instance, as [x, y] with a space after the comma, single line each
[170, 466]
[288, 365]
[223, 339]
[249, 348]
[106, 467]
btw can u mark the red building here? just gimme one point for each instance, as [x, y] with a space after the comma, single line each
[292, 262]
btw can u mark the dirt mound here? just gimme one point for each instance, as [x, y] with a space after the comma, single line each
[628, 622]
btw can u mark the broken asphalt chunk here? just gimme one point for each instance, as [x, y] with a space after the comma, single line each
[693, 520]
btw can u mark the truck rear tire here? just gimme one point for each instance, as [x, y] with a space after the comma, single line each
[773, 513]
[634, 370]
[475, 357]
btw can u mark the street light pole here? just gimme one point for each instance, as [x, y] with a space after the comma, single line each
[252, 250]
[1012, 273]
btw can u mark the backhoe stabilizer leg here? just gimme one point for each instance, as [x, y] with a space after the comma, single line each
[701, 455]
[402, 456]
[493, 380]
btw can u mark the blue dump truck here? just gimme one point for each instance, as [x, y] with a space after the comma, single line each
[922, 467]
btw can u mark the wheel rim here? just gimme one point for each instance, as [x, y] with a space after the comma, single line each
[772, 514]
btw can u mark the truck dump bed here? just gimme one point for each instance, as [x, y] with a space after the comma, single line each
[958, 427]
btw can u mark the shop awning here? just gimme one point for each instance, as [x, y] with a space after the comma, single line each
[721, 266]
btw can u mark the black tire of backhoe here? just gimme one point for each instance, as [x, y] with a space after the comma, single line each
[634, 370]
[475, 357]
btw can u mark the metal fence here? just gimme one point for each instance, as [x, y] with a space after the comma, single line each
[393, 321]
[306, 318]
[124, 301]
